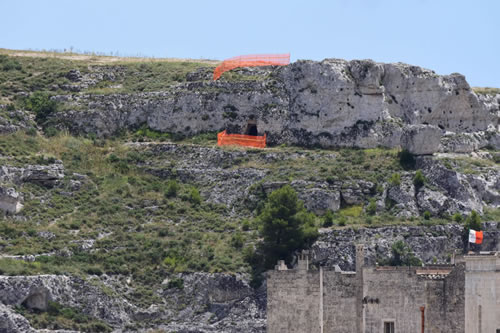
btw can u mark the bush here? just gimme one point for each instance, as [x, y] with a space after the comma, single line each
[427, 215]
[395, 179]
[9, 63]
[41, 104]
[285, 226]
[172, 189]
[457, 217]
[418, 179]
[473, 221]
[328, 219]
[402, 255]
[371, 209]
[237, 241]
[194, 196]
[176, 283]
[245, 226]
[342, 221]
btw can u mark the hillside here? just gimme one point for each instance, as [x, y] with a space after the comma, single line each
[120, 209]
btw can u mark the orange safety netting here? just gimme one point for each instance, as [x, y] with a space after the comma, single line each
[241, 140]
[251, 61]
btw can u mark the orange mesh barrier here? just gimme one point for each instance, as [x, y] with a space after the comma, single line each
[241, 140]
[251, 61]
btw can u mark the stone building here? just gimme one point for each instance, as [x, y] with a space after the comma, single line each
[463, 297]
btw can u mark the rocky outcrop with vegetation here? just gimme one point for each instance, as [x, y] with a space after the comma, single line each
[118, 211]
[332, 103]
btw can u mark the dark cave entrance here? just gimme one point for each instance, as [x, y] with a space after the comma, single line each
[251, 128]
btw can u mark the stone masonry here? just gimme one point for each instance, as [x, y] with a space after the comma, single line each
[462, 297]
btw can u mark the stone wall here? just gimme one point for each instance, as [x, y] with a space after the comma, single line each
[445, 308]
[482, 294]
[339, 302]
[392, 295]
[329, 300]
[293, 300]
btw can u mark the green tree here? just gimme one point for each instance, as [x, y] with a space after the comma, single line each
[402, 255]
[285, 226]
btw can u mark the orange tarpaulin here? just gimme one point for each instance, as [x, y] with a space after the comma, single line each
[251, 61]
[241, 140]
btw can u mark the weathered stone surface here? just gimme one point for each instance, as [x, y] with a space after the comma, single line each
[69, 291]
[206, 303]
[403, 197]
[433, 244]
[11, 322]
[421, 139]
[328, 103]
[10, 200]
[45, 175]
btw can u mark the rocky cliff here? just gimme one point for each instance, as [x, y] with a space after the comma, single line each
[332, 103]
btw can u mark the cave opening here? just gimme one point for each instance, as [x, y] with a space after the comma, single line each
[251, 128]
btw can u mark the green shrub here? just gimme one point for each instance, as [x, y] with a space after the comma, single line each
[371, 209]
[395, 179]
[418, 179]
[402, 255]
[176, 283]
[41, 104]
[51, 132]
[427, 215]
[237, 240]
[328, 219]
[172, 189]
[8, 63]
[194, 196]
[457, 217]
[342, 221]
[473, 221]
[245, 226]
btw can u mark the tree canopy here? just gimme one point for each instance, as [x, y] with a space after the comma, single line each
[285, 226]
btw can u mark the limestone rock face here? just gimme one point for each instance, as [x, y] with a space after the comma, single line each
[210, 302]
[10, 200]
[421, 139]
[35, 291]
[45, 175]
[332, 103]
[432, 244]
[11, 322]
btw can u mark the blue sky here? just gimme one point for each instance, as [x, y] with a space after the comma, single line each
[444, 35]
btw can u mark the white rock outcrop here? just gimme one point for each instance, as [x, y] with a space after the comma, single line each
[10, 200]
[331, 103]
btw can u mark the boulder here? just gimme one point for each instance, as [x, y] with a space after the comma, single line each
[10, 200]
[421, 139]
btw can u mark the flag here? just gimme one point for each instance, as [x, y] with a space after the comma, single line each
[475, 237]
